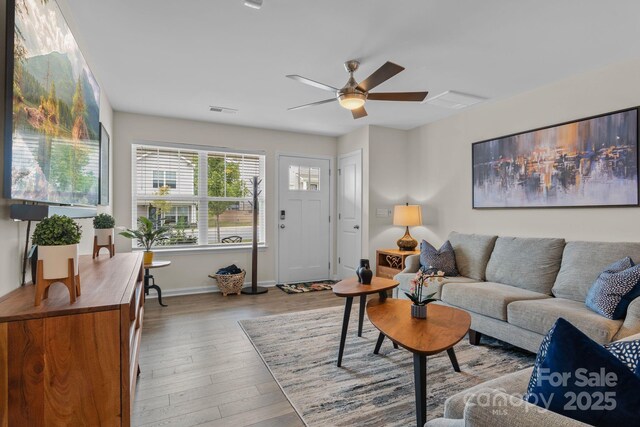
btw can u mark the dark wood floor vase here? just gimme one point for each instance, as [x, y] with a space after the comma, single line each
[75, 364]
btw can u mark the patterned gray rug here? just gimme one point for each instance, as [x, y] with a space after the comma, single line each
[300, 350]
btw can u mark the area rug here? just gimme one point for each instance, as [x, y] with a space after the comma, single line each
[300, 350]
[299, 288]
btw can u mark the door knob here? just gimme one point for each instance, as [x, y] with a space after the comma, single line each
[281, 225]
[356, 227]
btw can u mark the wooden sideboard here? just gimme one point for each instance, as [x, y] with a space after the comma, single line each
[390, 262]
[75, 364]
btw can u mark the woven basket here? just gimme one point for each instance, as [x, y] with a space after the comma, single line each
[230, 283]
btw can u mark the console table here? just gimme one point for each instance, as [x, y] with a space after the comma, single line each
[73, 364]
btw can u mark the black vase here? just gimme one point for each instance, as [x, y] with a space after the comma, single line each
[366, 276]
[364, 265]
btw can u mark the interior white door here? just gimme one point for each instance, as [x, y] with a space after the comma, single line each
[349, 213]
[303, 219]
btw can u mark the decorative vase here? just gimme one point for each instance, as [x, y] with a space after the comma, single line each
[366, 274]
[419, 311]
[364, 265]
[148, 257]
[103, 235]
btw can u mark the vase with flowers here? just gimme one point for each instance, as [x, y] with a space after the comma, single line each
[423, 278]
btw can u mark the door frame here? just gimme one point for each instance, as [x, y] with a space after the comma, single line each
[359, 152]
[332, 207]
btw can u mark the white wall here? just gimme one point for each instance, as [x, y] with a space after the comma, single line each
[384, 182]
[189, 270]
[440, 155]
[387, 185]
[13, 234]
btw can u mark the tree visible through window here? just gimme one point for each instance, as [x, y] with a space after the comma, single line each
[203, 196]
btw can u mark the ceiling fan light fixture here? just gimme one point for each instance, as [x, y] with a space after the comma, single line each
[352, 101]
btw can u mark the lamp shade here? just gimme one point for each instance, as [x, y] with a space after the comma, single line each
[407, 215]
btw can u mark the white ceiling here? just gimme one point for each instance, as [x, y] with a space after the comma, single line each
[175, 58]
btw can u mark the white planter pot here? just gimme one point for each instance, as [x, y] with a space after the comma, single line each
[103, 236]
[55, 260]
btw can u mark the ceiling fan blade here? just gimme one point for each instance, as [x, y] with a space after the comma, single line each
[358, 113]
[312, 104]
[312, 83]
[381, 75]
[398, 96]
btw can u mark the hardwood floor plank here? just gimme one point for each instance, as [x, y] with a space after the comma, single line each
[287, 420]
[239, 406]
[199, 368]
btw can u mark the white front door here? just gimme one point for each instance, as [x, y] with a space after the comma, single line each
[349, 213]
[303, 219]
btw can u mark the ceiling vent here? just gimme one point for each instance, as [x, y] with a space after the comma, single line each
[215, 109]
[254, 4]
[454, 100]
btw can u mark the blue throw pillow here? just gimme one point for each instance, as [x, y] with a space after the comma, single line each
[614, 289]
[443, 259]
[576, 377]
[628, 352]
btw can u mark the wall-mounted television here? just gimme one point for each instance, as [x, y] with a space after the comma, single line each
[52, 110]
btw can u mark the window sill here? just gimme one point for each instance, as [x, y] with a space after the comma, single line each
[203, 249]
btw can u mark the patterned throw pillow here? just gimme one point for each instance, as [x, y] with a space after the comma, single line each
[573, 373]
[614, 289]
[443, 259]
[628, 352]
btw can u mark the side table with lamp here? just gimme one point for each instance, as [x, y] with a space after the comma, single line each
[390, 262]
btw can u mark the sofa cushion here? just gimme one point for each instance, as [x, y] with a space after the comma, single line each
[614, 289]
[486, 298]
[404, 280]
[582, 262]
[566, 392]
[472, 253]
[443, 259]
[526, 263]
[540, 316]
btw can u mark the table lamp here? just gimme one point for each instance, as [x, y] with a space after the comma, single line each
[406, 216]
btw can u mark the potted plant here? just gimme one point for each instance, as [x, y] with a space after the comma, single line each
[147, 236]
[416, 294]
[57, 238]
[104, 228]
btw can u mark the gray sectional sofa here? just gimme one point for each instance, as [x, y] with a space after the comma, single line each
[516, 288]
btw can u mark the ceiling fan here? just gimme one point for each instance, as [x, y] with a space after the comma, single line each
[354, 95]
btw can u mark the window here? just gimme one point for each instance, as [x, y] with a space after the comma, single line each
[203, 196]
[304, 178]
[164, 179]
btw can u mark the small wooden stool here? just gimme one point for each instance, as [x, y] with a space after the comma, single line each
[72, 282]
[110, 247]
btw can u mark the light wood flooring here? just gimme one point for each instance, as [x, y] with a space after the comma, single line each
[199, 368]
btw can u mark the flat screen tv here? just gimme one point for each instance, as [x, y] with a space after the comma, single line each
[52, 127]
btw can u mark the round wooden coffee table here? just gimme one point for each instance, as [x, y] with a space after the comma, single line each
[350, 288]
[443, 328]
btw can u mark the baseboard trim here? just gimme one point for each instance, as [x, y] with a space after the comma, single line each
[203, 290]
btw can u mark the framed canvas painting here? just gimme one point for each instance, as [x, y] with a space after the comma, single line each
[591, 162]
[104, 166]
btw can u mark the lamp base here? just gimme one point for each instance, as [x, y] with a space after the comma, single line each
[406, 242]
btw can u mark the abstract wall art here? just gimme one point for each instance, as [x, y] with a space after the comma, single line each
[591, 162]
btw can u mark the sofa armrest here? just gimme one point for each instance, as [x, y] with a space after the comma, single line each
[411, 264]
[631, 325]
[493, 408]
